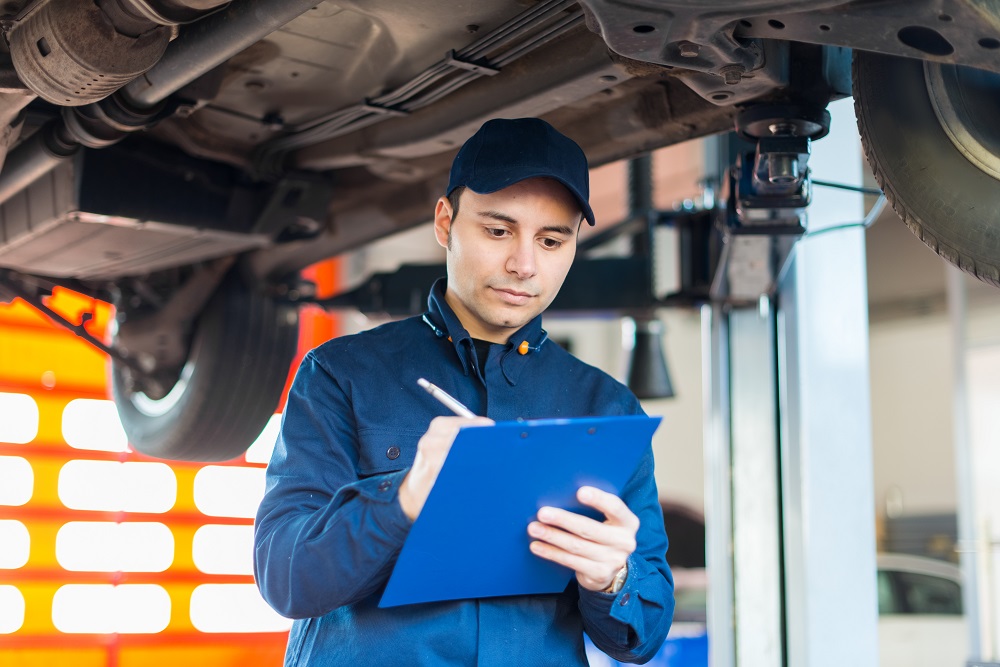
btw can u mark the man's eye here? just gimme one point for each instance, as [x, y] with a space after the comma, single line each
[496, 232]
[551, 244]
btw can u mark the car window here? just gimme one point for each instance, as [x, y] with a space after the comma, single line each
[925, 594]
[886, 598]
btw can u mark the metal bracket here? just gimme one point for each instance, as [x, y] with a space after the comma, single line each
[456, 62]
[295, 208]
[381, 110]
[763, 207]
[771, 187]
[158, 341]
[13, 285]
[154, 347]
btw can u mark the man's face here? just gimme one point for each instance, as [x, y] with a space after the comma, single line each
[508, 254]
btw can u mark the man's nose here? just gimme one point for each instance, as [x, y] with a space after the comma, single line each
[522, 260]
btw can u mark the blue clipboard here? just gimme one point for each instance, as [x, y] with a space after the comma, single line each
[471, 538]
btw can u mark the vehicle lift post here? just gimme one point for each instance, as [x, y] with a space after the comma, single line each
[788, 460]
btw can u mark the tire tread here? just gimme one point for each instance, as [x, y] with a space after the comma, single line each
[983, 270]
[242, 355]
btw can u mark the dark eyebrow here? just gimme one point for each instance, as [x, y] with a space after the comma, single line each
[559, 229]
[498, 215]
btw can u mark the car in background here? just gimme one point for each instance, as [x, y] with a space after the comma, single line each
[921, 620]
[920, 623]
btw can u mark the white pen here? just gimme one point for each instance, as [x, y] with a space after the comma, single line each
[446, 399]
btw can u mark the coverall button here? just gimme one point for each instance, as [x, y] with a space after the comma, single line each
[392, 452]
[624, 600]
[384, 485]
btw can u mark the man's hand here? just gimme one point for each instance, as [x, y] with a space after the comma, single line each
[595, 550]
[432, 450]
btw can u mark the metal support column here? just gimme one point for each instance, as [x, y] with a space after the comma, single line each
[743, 547]
[828, 500]
[790, 509]
[828, 504]
[718, 489]
[755, 482]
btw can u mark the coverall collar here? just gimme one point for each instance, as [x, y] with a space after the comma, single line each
[443, 321]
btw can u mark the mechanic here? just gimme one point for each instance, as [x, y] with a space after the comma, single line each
[355, 459]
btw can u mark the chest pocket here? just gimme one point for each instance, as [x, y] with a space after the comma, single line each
[385, 450]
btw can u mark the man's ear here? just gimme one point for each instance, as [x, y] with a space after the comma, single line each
[442, 221]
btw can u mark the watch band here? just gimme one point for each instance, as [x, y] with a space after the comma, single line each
[618, 581]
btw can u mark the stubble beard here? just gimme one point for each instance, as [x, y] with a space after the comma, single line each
[506, 317]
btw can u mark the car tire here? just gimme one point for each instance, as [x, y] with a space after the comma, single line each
[930, 135]
[242, 347]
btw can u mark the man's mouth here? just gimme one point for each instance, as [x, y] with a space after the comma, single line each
[513, 296]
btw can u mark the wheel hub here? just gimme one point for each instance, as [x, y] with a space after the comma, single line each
[967, 104]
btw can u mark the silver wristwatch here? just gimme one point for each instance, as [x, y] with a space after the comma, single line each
[618, 581]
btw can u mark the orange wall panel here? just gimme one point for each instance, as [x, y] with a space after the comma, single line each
[54, 367]
[220, 655]
[47, 359]
[37, 612]
[51, 657]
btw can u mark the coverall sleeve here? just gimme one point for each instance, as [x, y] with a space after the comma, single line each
[323, 537]
[630, 625]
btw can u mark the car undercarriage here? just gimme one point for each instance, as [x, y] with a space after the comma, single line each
[186, 159]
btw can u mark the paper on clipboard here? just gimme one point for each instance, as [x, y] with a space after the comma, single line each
[471, 538]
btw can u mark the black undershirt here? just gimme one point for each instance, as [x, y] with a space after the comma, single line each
[482, 351]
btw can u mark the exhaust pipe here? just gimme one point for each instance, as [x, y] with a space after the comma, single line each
[201, 47]
[205, 45]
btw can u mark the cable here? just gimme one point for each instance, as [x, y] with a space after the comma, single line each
[511, 28]
[866, 222]
[873, 213]
[844, 186]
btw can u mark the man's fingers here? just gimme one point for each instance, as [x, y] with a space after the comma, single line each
[454, 423]
[432, 450]
[441, 433]
[594, 571]
[561, 527]
[608, 504]
[447, 427]
[584, 526]
[592, 550]
[595, 550]
[609, 533]
[434, 445]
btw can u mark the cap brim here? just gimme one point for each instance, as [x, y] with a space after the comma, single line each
[487, 184]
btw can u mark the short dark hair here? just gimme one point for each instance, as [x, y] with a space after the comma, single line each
[453, 198]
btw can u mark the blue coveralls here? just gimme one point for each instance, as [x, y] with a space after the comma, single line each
[330, 526]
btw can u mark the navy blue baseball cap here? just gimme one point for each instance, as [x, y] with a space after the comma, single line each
[505, 151]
